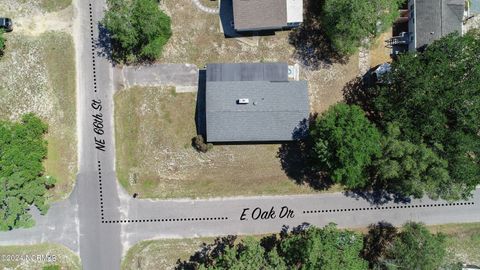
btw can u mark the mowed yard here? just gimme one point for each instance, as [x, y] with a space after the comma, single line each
[463, 245]
[38, 75]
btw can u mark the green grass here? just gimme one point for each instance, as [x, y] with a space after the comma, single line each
[463, 242]
[41, 79]
[54, 5]
[60, 62]
[154, 128]
[64, 258]
[161, 254]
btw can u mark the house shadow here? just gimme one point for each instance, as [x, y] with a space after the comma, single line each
[297, 161]
[226, 21]
[200, 109]
[313, 49]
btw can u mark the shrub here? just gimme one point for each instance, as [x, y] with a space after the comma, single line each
[200, 145]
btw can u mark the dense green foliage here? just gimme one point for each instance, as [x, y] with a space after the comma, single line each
[326, 248]
[310, 248]
[138, 28]
[411, 169]
[434, 97]
[416, 248]
[345, 143]
[22, 179]
[413, 247]
[348, 22]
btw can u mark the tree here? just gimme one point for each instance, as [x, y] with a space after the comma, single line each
[377, 242]
[326, 249]
[435, 99]
[138, 29]
[22, 179]
[411, 169]
[302, 248]
[348, 22]
[344, 144]
[416, 248]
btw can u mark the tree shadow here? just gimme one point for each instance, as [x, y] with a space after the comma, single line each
[104, 44]
[296, 159]
[312, 47]
[377, 242]
[207, 253]
[361, 91]
[378, 195]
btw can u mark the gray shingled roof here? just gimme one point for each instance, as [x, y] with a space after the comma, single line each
[259, 14]
[437, 18]
[248, 72]
[274, 111]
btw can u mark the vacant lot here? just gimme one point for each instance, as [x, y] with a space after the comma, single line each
[154, 129]
[463, 246]
[161, 254]
[38, 75]
[64, 258]
[463, 242]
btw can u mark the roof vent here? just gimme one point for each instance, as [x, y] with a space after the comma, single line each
[243, 101]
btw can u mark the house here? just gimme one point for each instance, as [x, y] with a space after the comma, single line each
[429, 20]
[257, 15]
[254, 102]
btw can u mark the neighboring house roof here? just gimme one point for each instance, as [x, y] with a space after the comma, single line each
[274, 112]
[250, 15]
[259, 14]
[248, 72]
[435, 19]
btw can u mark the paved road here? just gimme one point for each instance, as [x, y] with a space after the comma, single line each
[157, 75]
[100, 221]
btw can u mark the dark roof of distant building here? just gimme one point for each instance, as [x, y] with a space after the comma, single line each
[275, 109]
[259, 14]
[437, 18]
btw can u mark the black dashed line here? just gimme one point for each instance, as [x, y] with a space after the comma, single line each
[387, 207]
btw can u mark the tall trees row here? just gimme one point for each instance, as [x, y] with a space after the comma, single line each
[23, 182]
[424, 134]
[383, 247]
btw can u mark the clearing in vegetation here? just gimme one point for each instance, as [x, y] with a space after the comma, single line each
[42, 80]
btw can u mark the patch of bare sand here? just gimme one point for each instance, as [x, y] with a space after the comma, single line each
[38, 23]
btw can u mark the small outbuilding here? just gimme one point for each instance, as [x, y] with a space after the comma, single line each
[254, 102]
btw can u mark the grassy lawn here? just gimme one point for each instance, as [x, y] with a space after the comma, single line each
[154, 128]
[463, 242]
[60, 257]
[161, 254]
[40, 78]
[54, 5]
